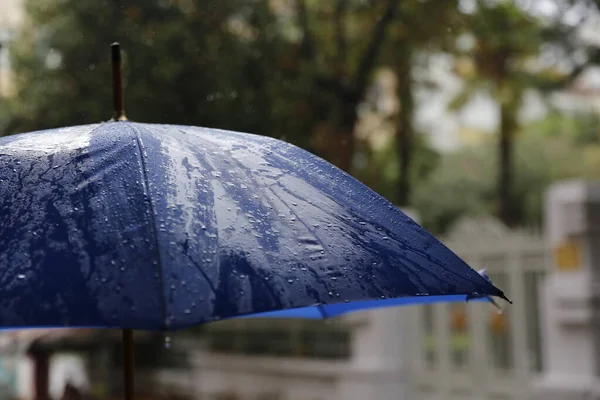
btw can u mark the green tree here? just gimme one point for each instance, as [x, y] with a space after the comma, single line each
[421, 28]
[212, 63]
[506, 40]
[463, 182]
[340, 45]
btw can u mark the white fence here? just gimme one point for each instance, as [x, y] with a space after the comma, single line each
[470, 351]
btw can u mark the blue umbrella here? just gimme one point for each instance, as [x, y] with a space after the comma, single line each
[161, 227]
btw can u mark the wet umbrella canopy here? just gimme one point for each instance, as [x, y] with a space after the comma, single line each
[161, 227]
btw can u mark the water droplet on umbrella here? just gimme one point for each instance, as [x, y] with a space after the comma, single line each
[167, 342]
[188, 311]
[21, 276]
[290, 281]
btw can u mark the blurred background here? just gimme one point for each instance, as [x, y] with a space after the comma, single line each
[462, 112]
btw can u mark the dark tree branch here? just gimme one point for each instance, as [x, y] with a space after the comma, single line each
[369, 57]
[307, 47]
[340, 34]
[335, 85]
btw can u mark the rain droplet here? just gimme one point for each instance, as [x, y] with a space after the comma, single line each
[21, 276]
[384, 238]
[167, 342]
[188, 311]
[290, 281]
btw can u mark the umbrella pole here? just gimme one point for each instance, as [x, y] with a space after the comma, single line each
[117, 78]
[128, 363]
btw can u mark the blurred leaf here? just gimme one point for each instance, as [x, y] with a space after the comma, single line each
[461, 99]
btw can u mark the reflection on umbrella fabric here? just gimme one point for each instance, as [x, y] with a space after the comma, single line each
[162, 227]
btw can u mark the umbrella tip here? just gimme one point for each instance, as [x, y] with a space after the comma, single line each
[503, 297]
[117, 80]
[116, 51]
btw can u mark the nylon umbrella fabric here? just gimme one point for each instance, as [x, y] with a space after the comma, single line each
[161, 227]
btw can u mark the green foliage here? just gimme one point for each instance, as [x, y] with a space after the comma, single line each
[211, 63]
[299, 75]
[380, 169]
[464, 181]
[582, 127]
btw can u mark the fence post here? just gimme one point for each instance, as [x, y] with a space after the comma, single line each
[569, 303]
[379, 368]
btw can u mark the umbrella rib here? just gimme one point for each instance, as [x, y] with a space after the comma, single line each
[152, 226]
[321, 309]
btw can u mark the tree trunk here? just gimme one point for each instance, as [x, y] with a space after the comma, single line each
[350, 95]
[508, 126]
[404, 133]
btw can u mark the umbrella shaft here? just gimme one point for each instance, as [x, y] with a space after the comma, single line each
[119, 108]
[128, 363]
